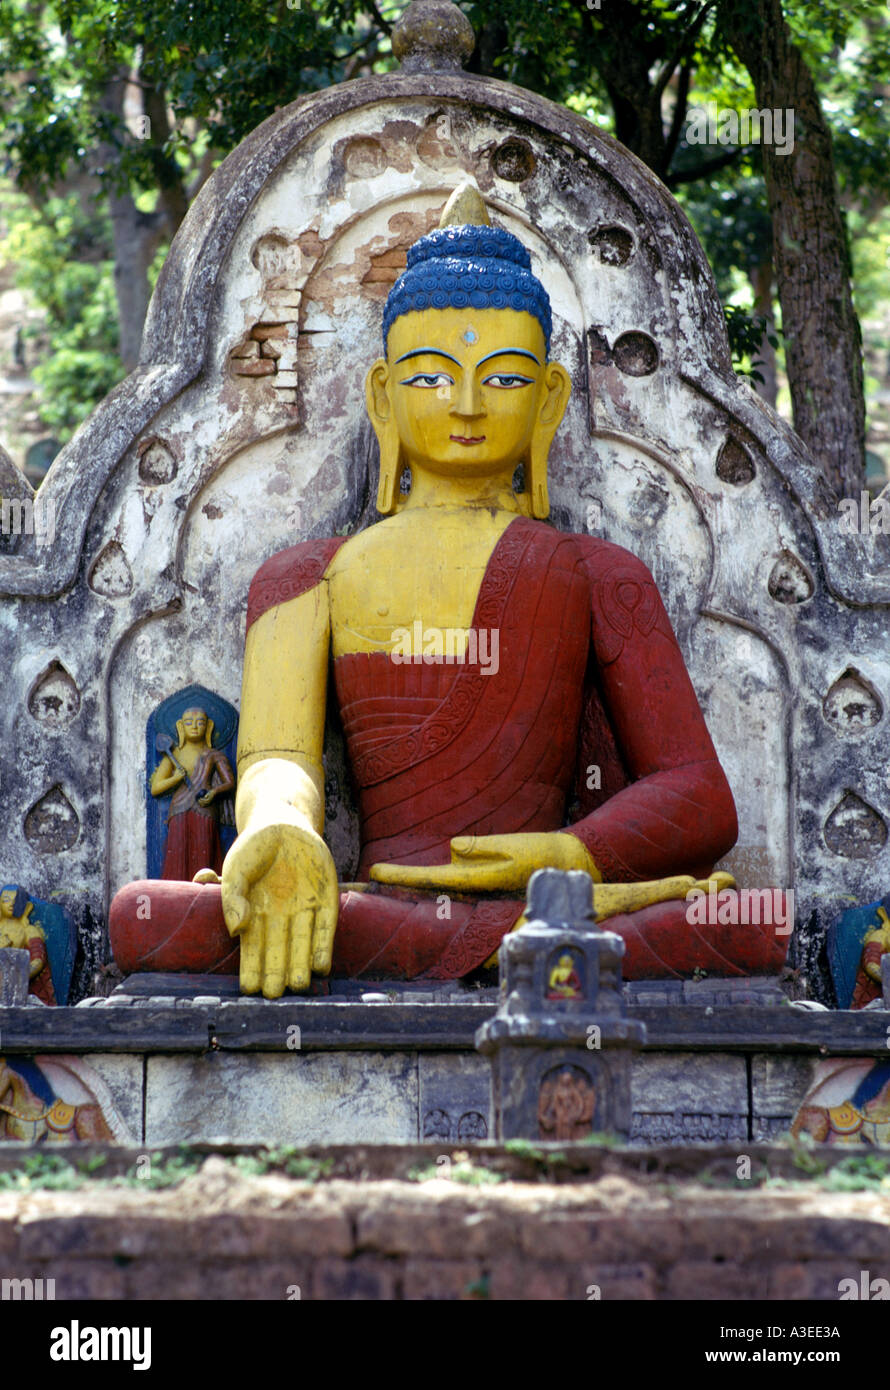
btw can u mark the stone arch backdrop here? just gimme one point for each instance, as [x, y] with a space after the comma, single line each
[243, 430]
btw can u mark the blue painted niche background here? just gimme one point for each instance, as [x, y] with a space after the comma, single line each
[225, 737]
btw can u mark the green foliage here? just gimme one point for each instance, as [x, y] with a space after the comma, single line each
[868, 1173]
[63, 260]
[163, 1171]
[44, 1170]
[600, 1141]
[460, 1169]
[524, 1148]
[220, 67]
[223, 65]
[286, 1160]
[746, 332]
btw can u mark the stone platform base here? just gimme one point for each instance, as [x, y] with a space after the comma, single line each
[324, 1071]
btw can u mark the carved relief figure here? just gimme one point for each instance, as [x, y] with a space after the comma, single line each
[32, 1112]
[19, 931]
[566, 1104]
[199, 775]
[848, 1103]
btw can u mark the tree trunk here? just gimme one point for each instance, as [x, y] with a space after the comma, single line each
[761, 277]
[137, 235]
[823, 344]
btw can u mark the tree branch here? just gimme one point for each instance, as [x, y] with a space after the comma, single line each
[708, 166]
[384, 23]
[680, 108]
[686, 41]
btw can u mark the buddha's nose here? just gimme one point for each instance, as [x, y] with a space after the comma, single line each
[469, 400]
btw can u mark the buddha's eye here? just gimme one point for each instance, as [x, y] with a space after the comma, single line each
[428, 380]
[508, 381]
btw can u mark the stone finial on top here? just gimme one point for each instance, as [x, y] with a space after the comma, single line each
[558, 898]
[433, 35]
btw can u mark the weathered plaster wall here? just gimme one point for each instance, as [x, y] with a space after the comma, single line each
[243, 430]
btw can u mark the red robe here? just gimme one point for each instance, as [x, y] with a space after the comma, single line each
[41, 984]
[589, 677]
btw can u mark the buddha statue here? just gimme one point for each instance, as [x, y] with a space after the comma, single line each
[512, 697]
[19, 931]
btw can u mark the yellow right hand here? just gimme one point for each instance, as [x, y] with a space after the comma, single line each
[280, 896]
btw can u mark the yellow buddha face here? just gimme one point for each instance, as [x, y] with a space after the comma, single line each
[194, 722]
[7, 901]
[467, 388]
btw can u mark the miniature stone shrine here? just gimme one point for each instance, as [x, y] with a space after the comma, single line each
[561, 1058]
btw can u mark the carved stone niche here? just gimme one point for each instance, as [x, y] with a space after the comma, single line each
[852, 706]
[54, 698]
[854, 829]
[157, 464]
[789, 580]
[612, 245]
[734, 463]
[52, 824]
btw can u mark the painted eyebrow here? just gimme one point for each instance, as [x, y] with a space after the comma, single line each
[427, 351]
[508, 352]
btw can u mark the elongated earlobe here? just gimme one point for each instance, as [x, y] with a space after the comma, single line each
[382, 417]
[390, 468]
[557, 389]
[536, 481]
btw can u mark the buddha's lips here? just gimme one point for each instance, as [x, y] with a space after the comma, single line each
[464, 439]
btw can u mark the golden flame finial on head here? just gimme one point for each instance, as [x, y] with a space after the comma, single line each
[465, 208]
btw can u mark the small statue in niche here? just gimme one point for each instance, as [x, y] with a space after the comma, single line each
[201, 776]
[868, 977]
[566, 1104]
[19, 931]
[564, 981]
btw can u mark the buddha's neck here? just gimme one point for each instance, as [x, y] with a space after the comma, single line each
[433, 490]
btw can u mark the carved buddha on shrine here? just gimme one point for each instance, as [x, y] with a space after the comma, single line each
[482, 663]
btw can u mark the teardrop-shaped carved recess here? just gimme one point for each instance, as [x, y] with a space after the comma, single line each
[734, 463]
[851, 706]
[854, 829]
[789, 580]
[613, 245]
[111, 575]
[52, 824]
[54, 699]
[156, 463]
[635, 354]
